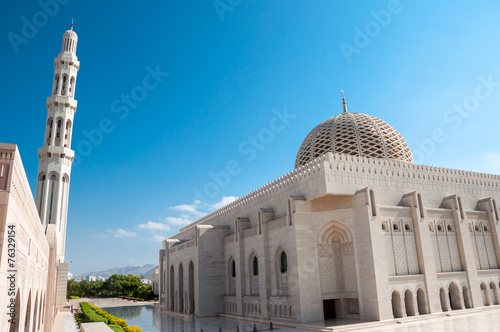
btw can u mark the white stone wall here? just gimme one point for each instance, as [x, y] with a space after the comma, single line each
[17, 207]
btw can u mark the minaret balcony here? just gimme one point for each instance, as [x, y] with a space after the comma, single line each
[62, 100]
[49, 150]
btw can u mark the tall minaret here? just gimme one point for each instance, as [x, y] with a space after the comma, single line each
[55, 156]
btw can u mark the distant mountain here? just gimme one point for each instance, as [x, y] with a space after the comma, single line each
[135, 270]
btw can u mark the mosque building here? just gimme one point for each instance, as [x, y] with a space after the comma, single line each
[356, 231]
[33, 274]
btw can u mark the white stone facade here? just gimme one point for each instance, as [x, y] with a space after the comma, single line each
[35, 262]
[364, 238]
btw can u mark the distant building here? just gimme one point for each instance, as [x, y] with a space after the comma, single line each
[70, 275]
[356, 231]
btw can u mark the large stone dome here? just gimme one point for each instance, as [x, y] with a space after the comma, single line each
[354, 134]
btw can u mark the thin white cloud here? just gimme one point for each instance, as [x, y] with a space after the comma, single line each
[157, 226]
[158, 238]
[120, 233]
[189, 213]
[492, 162]
[178, 221]
[189, 208]
[225, 200]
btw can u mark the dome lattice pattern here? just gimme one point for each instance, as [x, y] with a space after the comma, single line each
[354, 134]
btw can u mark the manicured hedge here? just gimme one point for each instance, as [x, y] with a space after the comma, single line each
[96, 314]
[91, 314]
[132, 298]
[111, 319]
[81, 318]
[116, 328]
[132, 329]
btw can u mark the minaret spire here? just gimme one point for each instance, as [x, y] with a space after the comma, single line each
[55, 156]
[72, 24]
[343, 101]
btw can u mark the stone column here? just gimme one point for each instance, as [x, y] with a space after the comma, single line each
[303, 272]
[369, 251]
[465, 248]
[240, 225]
[211, 271]
[486, 204]
[265, 215]
[424, 250]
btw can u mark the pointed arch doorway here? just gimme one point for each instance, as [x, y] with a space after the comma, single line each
[337, 271]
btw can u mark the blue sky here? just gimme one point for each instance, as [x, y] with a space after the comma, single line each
[237, 86]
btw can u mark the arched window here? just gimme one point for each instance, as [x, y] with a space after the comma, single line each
[48, 130]
[254, 278]
[67, 134]
[63, 89]
[172, 289]
[255, 266]
[56, 84]
[384, 228]
[283, 263]
[450, 229]
[71, 86]
[395, 227]
[232, 276]
[407, 227]
[440, 228]
[58, 132]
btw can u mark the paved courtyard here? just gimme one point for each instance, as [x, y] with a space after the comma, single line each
[152, 319]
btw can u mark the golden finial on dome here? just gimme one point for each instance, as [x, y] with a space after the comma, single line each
[343, 101]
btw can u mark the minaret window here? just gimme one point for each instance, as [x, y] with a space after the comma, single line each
[52, 184]
[56, 84]
[48, 131]
[63, 89]
[67, 134]
[71, 86]
[58, 133]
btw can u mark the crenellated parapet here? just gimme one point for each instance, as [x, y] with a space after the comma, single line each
[357, 167]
